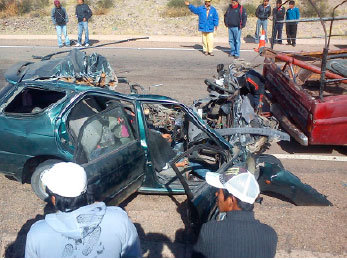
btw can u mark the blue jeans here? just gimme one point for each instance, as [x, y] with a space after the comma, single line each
[62, 29]
[83, 26]
[235, 41]
[263, 24]
[278, 32]
[198, 169]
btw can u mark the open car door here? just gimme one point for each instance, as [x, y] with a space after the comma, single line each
[111, 155]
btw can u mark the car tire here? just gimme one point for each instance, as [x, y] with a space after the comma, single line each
[36, 184]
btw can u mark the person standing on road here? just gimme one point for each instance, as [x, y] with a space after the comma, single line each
[83, 14]
[262, 13]
[208, 23]
[60, 19]
[235, 19]
[237, 233]
[79, 229]
[278, 15]
[291, 28]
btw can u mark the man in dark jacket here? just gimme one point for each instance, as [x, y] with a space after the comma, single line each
[83, 14]
[237, 233]
[60, 19]
[278, 15]
[263, 12]
[235, 19]
[208, 23]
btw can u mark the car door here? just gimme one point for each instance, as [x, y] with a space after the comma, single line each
[111, 154]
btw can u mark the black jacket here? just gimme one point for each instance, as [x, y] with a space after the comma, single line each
[263, 12]
[234, 18]
[279, 13]
[83, 11]
[238, 235]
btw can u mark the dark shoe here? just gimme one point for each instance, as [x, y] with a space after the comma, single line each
[211, 54]
[294, 44]
[288, 43]
[236, 57]
[60, 46]
[230, 55]
[205, 53]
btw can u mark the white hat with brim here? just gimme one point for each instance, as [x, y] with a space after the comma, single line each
[66, 179]
[241, 185]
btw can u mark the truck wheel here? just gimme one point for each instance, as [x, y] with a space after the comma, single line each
[36, 184]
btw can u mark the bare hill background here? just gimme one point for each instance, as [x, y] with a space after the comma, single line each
[146, 17]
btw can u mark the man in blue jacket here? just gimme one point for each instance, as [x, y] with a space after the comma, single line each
[208, 23]
[291, 28]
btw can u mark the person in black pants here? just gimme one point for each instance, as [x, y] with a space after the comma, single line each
[278, 15]
[291, 28]
[236, 233]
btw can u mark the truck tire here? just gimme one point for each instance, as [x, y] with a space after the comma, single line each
[36, 184]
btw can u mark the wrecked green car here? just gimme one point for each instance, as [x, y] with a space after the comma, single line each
[126, 143]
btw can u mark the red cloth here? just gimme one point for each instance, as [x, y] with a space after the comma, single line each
[235, 6]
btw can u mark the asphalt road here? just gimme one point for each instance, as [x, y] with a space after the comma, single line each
[161, 220]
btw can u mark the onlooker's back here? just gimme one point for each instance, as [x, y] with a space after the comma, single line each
[245, 237]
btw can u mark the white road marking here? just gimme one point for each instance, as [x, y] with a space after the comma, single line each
[126, 48]
[311, 157]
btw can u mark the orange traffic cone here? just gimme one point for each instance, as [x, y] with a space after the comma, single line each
[261, 41]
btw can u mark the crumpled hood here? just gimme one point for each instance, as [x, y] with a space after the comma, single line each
[79, 223]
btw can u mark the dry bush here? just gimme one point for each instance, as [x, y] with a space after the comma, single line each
[102, 7]
[176, 12]
[19, 7]
[177, 8]
[250, 9]
[307, 10]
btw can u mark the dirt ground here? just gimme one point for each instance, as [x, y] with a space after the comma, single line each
[161, 220]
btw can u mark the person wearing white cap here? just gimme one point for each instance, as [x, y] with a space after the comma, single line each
[238, 234]
[79, 229]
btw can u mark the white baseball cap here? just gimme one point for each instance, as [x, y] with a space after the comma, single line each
[238, 181]
[66, 179]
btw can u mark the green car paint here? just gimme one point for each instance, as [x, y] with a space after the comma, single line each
[27, 140]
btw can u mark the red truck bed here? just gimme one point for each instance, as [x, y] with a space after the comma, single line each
[293, 93]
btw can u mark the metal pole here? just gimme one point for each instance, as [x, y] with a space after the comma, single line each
[273, 29]
[314, 19]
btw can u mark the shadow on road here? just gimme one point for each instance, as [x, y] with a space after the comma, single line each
[249, 39]
[17, 248]
[195, 46]
[343, 46]
[294, 147]
[154, 245]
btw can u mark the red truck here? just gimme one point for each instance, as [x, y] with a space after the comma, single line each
[311, 112]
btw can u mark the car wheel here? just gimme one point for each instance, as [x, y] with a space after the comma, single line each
[36, 184]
